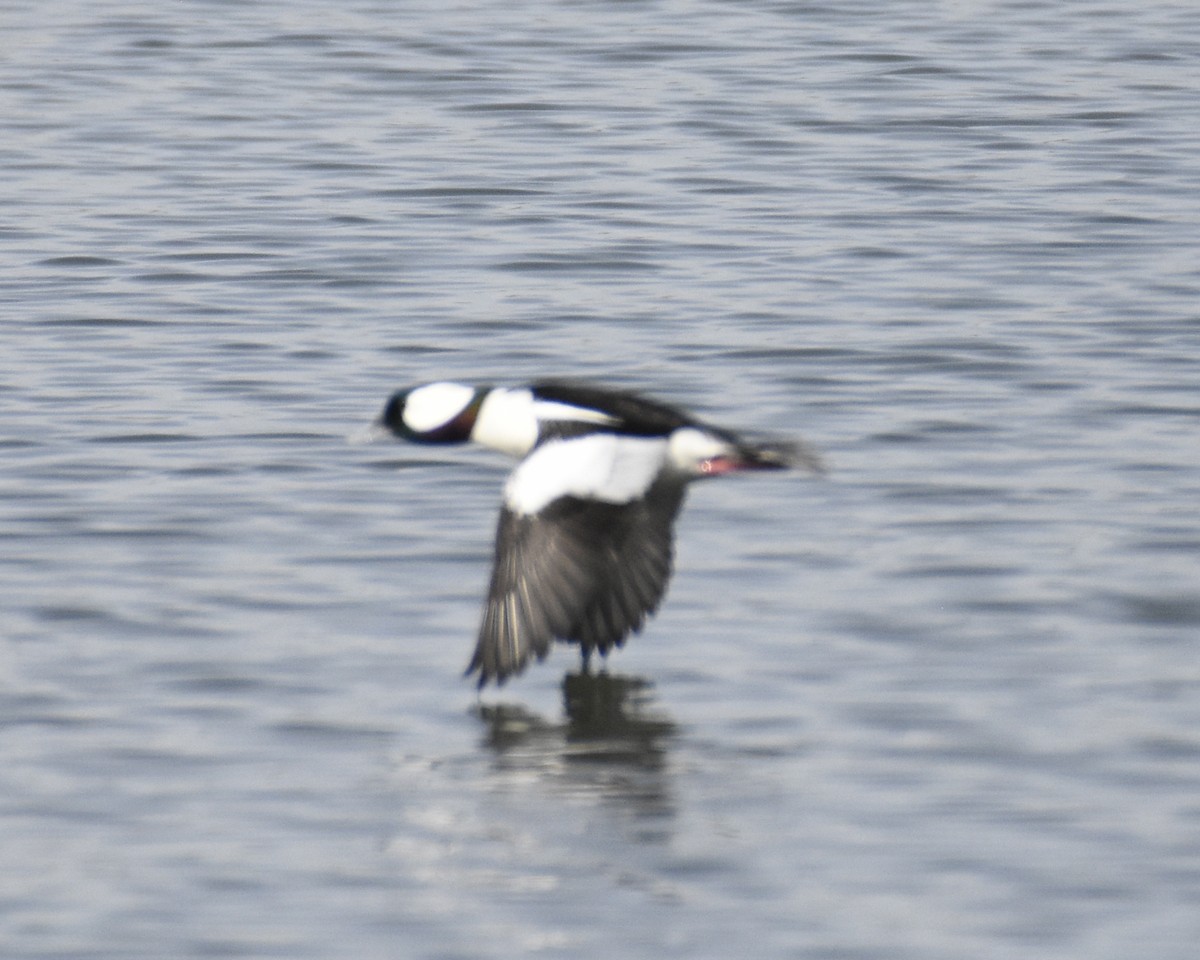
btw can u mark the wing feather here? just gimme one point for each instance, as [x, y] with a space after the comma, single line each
[581, 570]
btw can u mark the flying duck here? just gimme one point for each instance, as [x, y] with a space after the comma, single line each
[584, 544]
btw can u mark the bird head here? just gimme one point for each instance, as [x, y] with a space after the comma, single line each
[434, 412]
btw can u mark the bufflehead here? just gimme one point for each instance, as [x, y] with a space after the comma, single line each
[584, 544]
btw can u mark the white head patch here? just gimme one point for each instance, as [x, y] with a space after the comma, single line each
[690, 446]
[601, 466]
[435, 404]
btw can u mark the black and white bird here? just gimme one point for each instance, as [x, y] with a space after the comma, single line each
[584, 544]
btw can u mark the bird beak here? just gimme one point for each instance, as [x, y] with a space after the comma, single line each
[370, 433]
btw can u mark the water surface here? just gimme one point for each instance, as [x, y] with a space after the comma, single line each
[941, 703]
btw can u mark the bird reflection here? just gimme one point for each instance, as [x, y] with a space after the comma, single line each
[612, 743]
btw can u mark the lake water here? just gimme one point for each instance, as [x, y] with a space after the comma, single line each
[942, 703]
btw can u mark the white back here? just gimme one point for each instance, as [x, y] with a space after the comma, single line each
[602, 466]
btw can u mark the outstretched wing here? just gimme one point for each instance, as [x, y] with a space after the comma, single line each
[580, 570]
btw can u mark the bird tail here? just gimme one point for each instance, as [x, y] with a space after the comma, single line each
[778, 455]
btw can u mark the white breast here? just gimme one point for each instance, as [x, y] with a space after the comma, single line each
[602, 466]
[506, 422]
[509, 420]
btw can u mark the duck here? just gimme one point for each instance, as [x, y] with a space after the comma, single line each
[584, 545]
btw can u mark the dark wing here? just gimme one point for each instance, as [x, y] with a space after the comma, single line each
[636, 416]
[580, 570]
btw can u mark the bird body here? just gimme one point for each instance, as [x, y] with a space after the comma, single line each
[584, 542]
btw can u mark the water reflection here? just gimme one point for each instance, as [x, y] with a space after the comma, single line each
[613, 743]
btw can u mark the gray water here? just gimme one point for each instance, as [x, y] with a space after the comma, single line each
[942, 703]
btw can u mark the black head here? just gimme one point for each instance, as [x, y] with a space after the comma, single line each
[434, 413]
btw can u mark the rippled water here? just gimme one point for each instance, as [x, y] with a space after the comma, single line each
[942, 703]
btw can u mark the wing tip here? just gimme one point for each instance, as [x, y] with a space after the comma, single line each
[493, 669]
